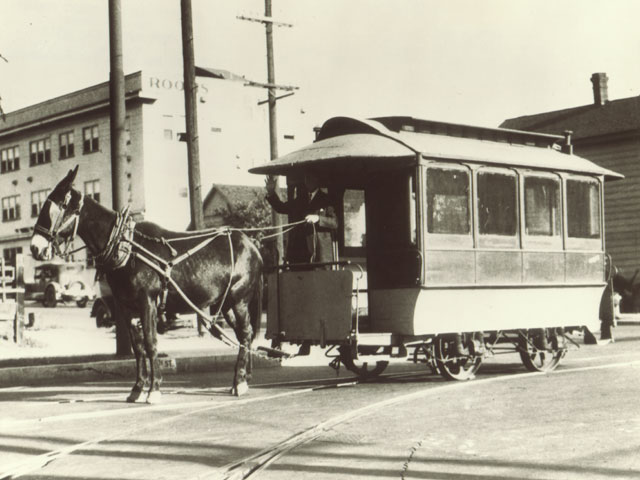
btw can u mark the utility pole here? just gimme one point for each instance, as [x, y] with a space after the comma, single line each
[117, 115]
[190, 106]
[272, 98]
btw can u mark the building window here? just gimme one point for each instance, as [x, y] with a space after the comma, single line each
[9, 254]
[168, 134]
[10, 159]
[497, 214]
[583, 209]
[40, 152]
[448, 201]
[11, 208]
[92, 190]
[66, 145]
[542, 206]
[37, 200]
[90, 139]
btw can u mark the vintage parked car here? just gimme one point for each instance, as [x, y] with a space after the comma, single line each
[61, 282]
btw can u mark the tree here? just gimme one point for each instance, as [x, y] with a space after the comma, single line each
[253, 214]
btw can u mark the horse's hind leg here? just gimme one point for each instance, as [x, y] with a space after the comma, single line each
[244, 333]
[142, 375]
[149, 318]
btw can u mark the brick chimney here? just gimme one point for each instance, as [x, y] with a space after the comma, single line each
[600, 93]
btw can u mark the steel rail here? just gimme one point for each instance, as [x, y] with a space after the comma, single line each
[253, 464]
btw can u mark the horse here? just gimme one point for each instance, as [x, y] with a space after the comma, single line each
[217, 269]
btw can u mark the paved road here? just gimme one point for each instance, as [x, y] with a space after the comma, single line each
[582, 421]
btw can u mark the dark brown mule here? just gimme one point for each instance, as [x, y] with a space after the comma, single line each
[205, 276]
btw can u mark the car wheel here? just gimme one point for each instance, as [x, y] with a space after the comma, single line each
[103, 316]
[50, 300]
[82, 302]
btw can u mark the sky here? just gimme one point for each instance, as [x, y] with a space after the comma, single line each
[473, 62]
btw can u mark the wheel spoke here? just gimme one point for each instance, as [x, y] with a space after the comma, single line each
[534, 357]
[451, 364]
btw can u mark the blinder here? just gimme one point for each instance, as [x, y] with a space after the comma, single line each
[60, 224]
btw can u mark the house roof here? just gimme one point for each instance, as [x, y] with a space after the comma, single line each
[234, 193]
[617, 116]
[96, 96]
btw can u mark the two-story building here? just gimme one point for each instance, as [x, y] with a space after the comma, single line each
[608, 133]
[40, 143]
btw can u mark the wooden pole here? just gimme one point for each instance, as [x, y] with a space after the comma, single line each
[18, 323]
[273, 127]
[190, 91]
[118, 148]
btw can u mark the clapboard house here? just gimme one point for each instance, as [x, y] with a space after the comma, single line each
[606, 132]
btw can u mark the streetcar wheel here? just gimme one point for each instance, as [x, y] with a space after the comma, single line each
[364, 370]
[453, 364]
[541, 350]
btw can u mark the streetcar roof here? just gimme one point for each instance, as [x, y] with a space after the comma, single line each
[352, 144]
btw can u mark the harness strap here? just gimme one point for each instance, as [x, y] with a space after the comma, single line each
[223, 336]
[117, 250]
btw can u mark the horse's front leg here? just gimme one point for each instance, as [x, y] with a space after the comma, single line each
[149, 317]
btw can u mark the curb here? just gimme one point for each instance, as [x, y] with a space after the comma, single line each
[119, 369]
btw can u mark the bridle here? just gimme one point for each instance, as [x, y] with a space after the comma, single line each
[53, 234]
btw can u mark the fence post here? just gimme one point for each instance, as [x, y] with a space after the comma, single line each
[18, 322]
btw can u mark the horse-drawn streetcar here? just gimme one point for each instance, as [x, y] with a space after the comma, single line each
[455, 242]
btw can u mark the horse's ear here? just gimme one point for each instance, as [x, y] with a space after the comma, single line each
[65, 184]
[71, 176]
[69, 179]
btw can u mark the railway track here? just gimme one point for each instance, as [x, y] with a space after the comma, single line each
[249, 466]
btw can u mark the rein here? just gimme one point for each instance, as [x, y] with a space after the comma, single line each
[120, 236]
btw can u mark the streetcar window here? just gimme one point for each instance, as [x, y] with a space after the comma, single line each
[583, 209]
[448, 201]
[497, 204]
[354, 219]
[542, 206]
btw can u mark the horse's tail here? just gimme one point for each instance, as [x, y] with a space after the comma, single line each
[255, 307]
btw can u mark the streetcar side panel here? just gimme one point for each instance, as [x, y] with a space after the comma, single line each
[417, 311]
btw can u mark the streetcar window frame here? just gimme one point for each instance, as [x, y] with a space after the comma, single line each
[494, 237]
[592, 241]
[439, 236]
[538, 239]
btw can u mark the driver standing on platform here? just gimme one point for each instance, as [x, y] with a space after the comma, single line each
[313, 242]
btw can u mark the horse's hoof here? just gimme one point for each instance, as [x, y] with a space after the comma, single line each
[154, 397]
[240, 389]
[133, 397]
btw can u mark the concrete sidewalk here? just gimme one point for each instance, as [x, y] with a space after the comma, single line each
[65, 345]
[77, 353]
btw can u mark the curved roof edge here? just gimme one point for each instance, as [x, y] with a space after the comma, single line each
[342, 138]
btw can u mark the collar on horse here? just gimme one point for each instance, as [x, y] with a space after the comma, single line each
[117, 251]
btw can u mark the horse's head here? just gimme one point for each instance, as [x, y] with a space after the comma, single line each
[58, 219]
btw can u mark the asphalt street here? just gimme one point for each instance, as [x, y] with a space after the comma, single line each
[303, 421]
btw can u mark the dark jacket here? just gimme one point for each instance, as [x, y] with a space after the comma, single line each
[309, 242]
